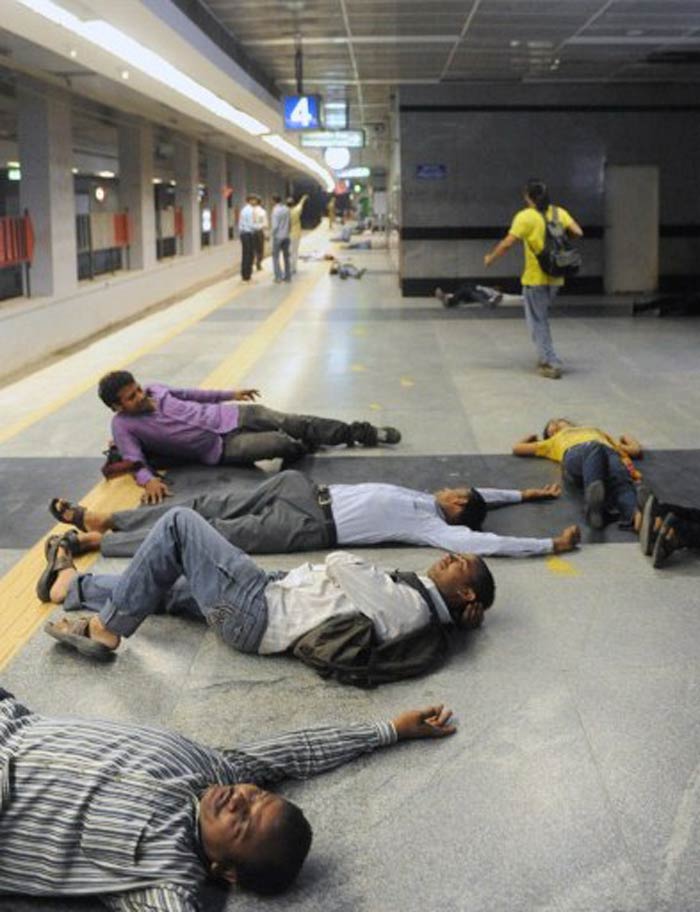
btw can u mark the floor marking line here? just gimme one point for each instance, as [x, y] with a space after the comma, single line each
[23, 423]
[19, 617]
[560, 566]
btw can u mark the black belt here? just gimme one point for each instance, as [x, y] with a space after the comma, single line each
[323, 495]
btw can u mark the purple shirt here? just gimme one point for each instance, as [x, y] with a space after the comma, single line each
[187, 424]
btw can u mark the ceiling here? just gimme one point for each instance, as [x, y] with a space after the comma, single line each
[361, 49]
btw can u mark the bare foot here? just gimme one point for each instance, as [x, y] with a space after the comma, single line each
[98, 522]
[567, 540]
[89, 541]
[99, 632]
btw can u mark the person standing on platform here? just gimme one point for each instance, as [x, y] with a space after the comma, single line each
[246, 230]
[260, 223]
[295, 212]
[281, 224]
[539, 288]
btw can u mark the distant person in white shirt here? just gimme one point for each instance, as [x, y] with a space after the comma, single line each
[260, 224]
[279, 232]
[288, 513]
[185, 567]
[246, 231]
[295, 212]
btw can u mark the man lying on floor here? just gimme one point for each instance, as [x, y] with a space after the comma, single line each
[288, 512]
[185, 566]
[205, 426]
[141, 817]
[597, 463]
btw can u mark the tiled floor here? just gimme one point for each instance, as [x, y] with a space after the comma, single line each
[574, 781]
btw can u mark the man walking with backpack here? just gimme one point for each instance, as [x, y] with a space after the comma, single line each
[185, 567]
[538, 226]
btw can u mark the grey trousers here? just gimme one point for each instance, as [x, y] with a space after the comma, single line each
[281, 515]
[537, 299]
[264, 433]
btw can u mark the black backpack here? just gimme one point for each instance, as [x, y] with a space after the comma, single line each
[558, 258]
[346, 647]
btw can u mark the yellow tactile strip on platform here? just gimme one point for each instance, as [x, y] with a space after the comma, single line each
[21, 613]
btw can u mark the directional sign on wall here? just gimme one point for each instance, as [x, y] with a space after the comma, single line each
[328, 139]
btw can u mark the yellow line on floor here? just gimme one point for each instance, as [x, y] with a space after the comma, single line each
[91, 382]
[561, 566]
[21, 613]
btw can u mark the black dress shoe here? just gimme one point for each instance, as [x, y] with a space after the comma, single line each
[388, 435]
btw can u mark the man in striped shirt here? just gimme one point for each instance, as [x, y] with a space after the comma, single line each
[141, 817]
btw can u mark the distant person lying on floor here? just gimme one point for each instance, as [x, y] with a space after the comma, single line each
[594, 461]
[288, 512]
[141, 817]
[185, 567]
[470, 294]
[203, 426]
[667, 528]
[345, 270]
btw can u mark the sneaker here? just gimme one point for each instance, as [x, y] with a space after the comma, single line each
[595, 505]
[388, 435]
[551, 371]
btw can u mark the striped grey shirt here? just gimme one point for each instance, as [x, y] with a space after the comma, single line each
[93, 807]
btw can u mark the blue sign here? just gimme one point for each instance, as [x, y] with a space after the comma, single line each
[302, 112]
[431, 172]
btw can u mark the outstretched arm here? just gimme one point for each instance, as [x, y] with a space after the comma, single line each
[302, 754]
[548, 492]
[503, 246]
[527, 446]
[168, 898]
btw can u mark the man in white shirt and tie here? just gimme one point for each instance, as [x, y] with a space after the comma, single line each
[289, 512]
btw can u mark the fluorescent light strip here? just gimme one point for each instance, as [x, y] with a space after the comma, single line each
[292, 152]
[115, 42]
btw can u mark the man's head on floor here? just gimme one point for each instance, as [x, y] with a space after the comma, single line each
[467, 586]
[122, 393]
[554, 425]
[462, 506]
[253, 838]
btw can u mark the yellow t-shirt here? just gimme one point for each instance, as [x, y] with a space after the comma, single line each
[555, 447]
[528, 226]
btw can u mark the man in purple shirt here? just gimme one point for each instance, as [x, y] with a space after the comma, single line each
[207, 426]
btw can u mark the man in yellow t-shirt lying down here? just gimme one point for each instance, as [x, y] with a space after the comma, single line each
[595, 461]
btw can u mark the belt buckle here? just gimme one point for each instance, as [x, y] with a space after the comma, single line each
[323, 495]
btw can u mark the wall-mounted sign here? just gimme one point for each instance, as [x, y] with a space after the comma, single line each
[360, 171]
[335, 115]
[326, 139]
[431, 172]
[302, 112]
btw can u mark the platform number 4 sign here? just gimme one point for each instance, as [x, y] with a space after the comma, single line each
[301, 112]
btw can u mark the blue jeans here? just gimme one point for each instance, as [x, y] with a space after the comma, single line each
[281, 245]
[183, 566]
[589, 462]
[537, 300]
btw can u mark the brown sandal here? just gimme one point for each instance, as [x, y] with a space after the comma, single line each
[75, 632]
[56, 561]
[59, 508]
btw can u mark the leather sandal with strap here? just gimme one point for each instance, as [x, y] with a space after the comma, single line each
[75, 632]
[56, 560]
[60, 510]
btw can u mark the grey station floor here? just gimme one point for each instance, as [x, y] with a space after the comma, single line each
[573, 783]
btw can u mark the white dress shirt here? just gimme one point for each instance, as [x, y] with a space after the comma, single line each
[369, 514]
[344, 584]
[246, 220]
[259, 218]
